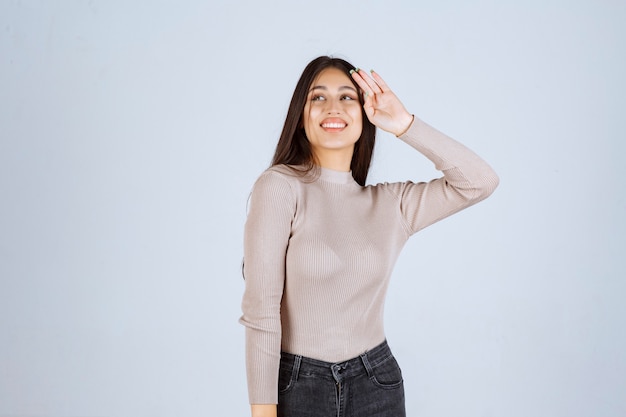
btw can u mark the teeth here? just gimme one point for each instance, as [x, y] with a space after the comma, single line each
[333, 125]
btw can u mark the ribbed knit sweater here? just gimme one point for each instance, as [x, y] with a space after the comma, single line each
[319, 250]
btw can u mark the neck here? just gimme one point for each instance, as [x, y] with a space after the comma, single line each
[335, 160]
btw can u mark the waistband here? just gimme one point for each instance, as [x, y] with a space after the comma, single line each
[362, 364]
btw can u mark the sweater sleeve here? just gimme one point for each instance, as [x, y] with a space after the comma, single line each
[266, 236]
[467, 179]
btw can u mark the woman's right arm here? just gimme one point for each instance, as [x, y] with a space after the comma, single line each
[263, 410]
[266, 236]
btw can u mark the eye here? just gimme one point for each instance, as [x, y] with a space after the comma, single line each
[348, 98]
[317, 97]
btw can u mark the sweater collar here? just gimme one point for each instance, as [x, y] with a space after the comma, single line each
[338, 177]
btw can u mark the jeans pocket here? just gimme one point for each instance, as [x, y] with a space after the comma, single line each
[387, 374]
[285, 379]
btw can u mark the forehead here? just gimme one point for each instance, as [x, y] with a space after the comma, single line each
[331, 77]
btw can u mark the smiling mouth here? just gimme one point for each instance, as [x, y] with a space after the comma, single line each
[333, 125]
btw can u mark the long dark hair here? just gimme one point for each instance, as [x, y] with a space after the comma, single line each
[293, 147]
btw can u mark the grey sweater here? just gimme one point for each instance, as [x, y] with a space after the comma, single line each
[319, 250]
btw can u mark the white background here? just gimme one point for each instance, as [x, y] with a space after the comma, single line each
[131, 133]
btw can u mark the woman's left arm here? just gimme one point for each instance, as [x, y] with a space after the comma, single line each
[467, 178]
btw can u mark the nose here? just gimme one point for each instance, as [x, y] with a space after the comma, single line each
[333, 107]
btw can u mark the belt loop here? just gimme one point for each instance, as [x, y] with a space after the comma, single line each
[367, 365]
[296, 367]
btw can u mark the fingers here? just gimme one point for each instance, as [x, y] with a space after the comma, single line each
[370, 85]
[374, 88]
[381, 83]
[360, 82]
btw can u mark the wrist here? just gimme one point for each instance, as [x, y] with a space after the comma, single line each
[263, 410]
[405, 124]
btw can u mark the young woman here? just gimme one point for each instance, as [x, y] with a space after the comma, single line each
[320, 245]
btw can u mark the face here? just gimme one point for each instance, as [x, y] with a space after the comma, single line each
[332, 116]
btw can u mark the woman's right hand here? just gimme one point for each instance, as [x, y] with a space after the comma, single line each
[263, 410]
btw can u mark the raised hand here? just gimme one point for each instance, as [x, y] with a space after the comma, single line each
[382, 106]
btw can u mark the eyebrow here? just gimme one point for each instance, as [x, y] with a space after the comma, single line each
[323, 87]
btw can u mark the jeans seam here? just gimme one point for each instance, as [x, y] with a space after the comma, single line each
[296, 368]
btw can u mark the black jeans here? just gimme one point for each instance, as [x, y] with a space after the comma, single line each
[369, 385]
